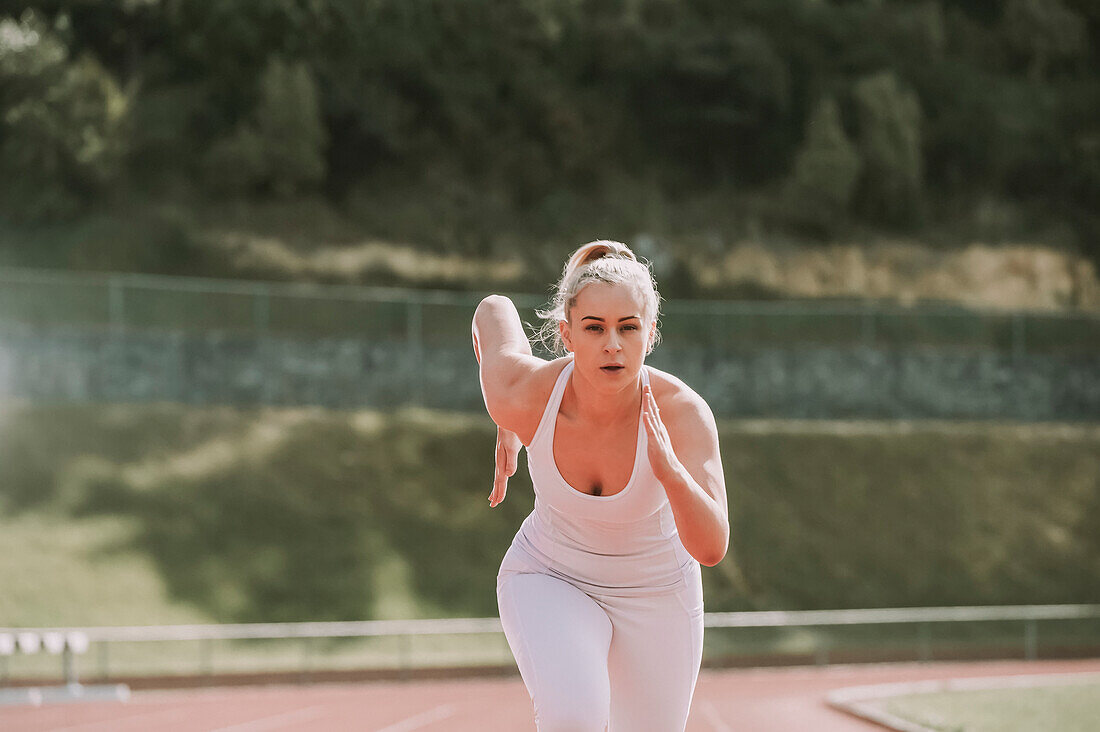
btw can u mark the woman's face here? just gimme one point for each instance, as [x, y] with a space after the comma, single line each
[608, 334]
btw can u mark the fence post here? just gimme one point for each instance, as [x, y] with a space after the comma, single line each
[1018, 343]
[206, 656]
[821, 649]
[867, 331]
[69, 663]
[104, 660]
[404, 651]
[261, 320]
[261, 309]
[307, 656]
[116, 304]
[414, 326]
[1031, 640]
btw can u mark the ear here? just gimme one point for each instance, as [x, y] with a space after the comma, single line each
[651, 340]
[566, 335]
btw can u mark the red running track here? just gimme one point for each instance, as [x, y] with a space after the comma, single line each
[755, 700]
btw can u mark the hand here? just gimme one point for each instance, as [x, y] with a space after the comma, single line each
[662, 458]
[507, 451]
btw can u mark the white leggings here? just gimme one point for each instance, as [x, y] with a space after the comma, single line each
[594, 662]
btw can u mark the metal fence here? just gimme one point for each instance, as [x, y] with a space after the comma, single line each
[420, 319]
[1020, 625]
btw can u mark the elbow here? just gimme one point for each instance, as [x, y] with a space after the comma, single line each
[715, 554]
[485, 304]
[710, 560]
[489, 301]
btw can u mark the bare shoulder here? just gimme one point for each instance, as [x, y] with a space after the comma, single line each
[530, 395]
[541, 380]
[681, 406]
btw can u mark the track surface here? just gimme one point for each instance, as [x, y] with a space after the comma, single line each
[757, 700]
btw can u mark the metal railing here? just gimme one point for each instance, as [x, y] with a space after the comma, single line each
[13, 639]
[121, 302]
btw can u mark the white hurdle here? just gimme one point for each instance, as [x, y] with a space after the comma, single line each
[68, 645]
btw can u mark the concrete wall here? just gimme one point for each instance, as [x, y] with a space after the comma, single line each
[75, 365]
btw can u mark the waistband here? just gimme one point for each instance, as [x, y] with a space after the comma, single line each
[598, 574]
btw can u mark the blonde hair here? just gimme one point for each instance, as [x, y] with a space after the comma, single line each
[598, 261]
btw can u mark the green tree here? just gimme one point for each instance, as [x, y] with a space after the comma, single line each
[288, 122]
[890, 146]
[1044, 32]
[282, 146]
[62, 123]
[827, 165]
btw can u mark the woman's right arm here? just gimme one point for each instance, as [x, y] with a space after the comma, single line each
[511, 378]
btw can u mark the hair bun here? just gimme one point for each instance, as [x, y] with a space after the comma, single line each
[598, 250]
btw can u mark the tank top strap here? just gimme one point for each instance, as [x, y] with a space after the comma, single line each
[550, 413]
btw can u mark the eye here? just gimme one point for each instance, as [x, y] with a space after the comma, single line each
[630, 327]
[594, 328]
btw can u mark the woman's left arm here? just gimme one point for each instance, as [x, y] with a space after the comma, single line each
[683, 451]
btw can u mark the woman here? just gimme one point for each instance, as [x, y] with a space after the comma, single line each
[600, 593]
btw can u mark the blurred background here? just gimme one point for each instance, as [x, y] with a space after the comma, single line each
[241, 244]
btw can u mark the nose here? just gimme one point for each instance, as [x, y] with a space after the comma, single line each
[613, 343]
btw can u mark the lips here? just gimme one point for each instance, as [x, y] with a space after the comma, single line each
[612, 368]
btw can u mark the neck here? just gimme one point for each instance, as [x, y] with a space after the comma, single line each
[596, 406]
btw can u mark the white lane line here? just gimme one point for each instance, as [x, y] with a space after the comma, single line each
[421, 720]
[714, 717]
[275, 721]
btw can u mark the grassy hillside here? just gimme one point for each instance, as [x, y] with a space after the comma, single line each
[160, 514]
[314, 242]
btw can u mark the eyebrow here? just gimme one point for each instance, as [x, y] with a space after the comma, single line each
[593, 317]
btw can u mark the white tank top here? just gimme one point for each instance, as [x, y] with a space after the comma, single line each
[625, 544]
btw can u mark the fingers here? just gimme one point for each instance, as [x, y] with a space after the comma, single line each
[504, 468]
[507, 450]
[506, 460]
[650, 410]
[500, 488]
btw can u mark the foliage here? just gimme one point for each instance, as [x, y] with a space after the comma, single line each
[282, 145]
[890, 145]
[62, 131]
[538, 110]
[827, 166]
[1044, 32]
[300, 514]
